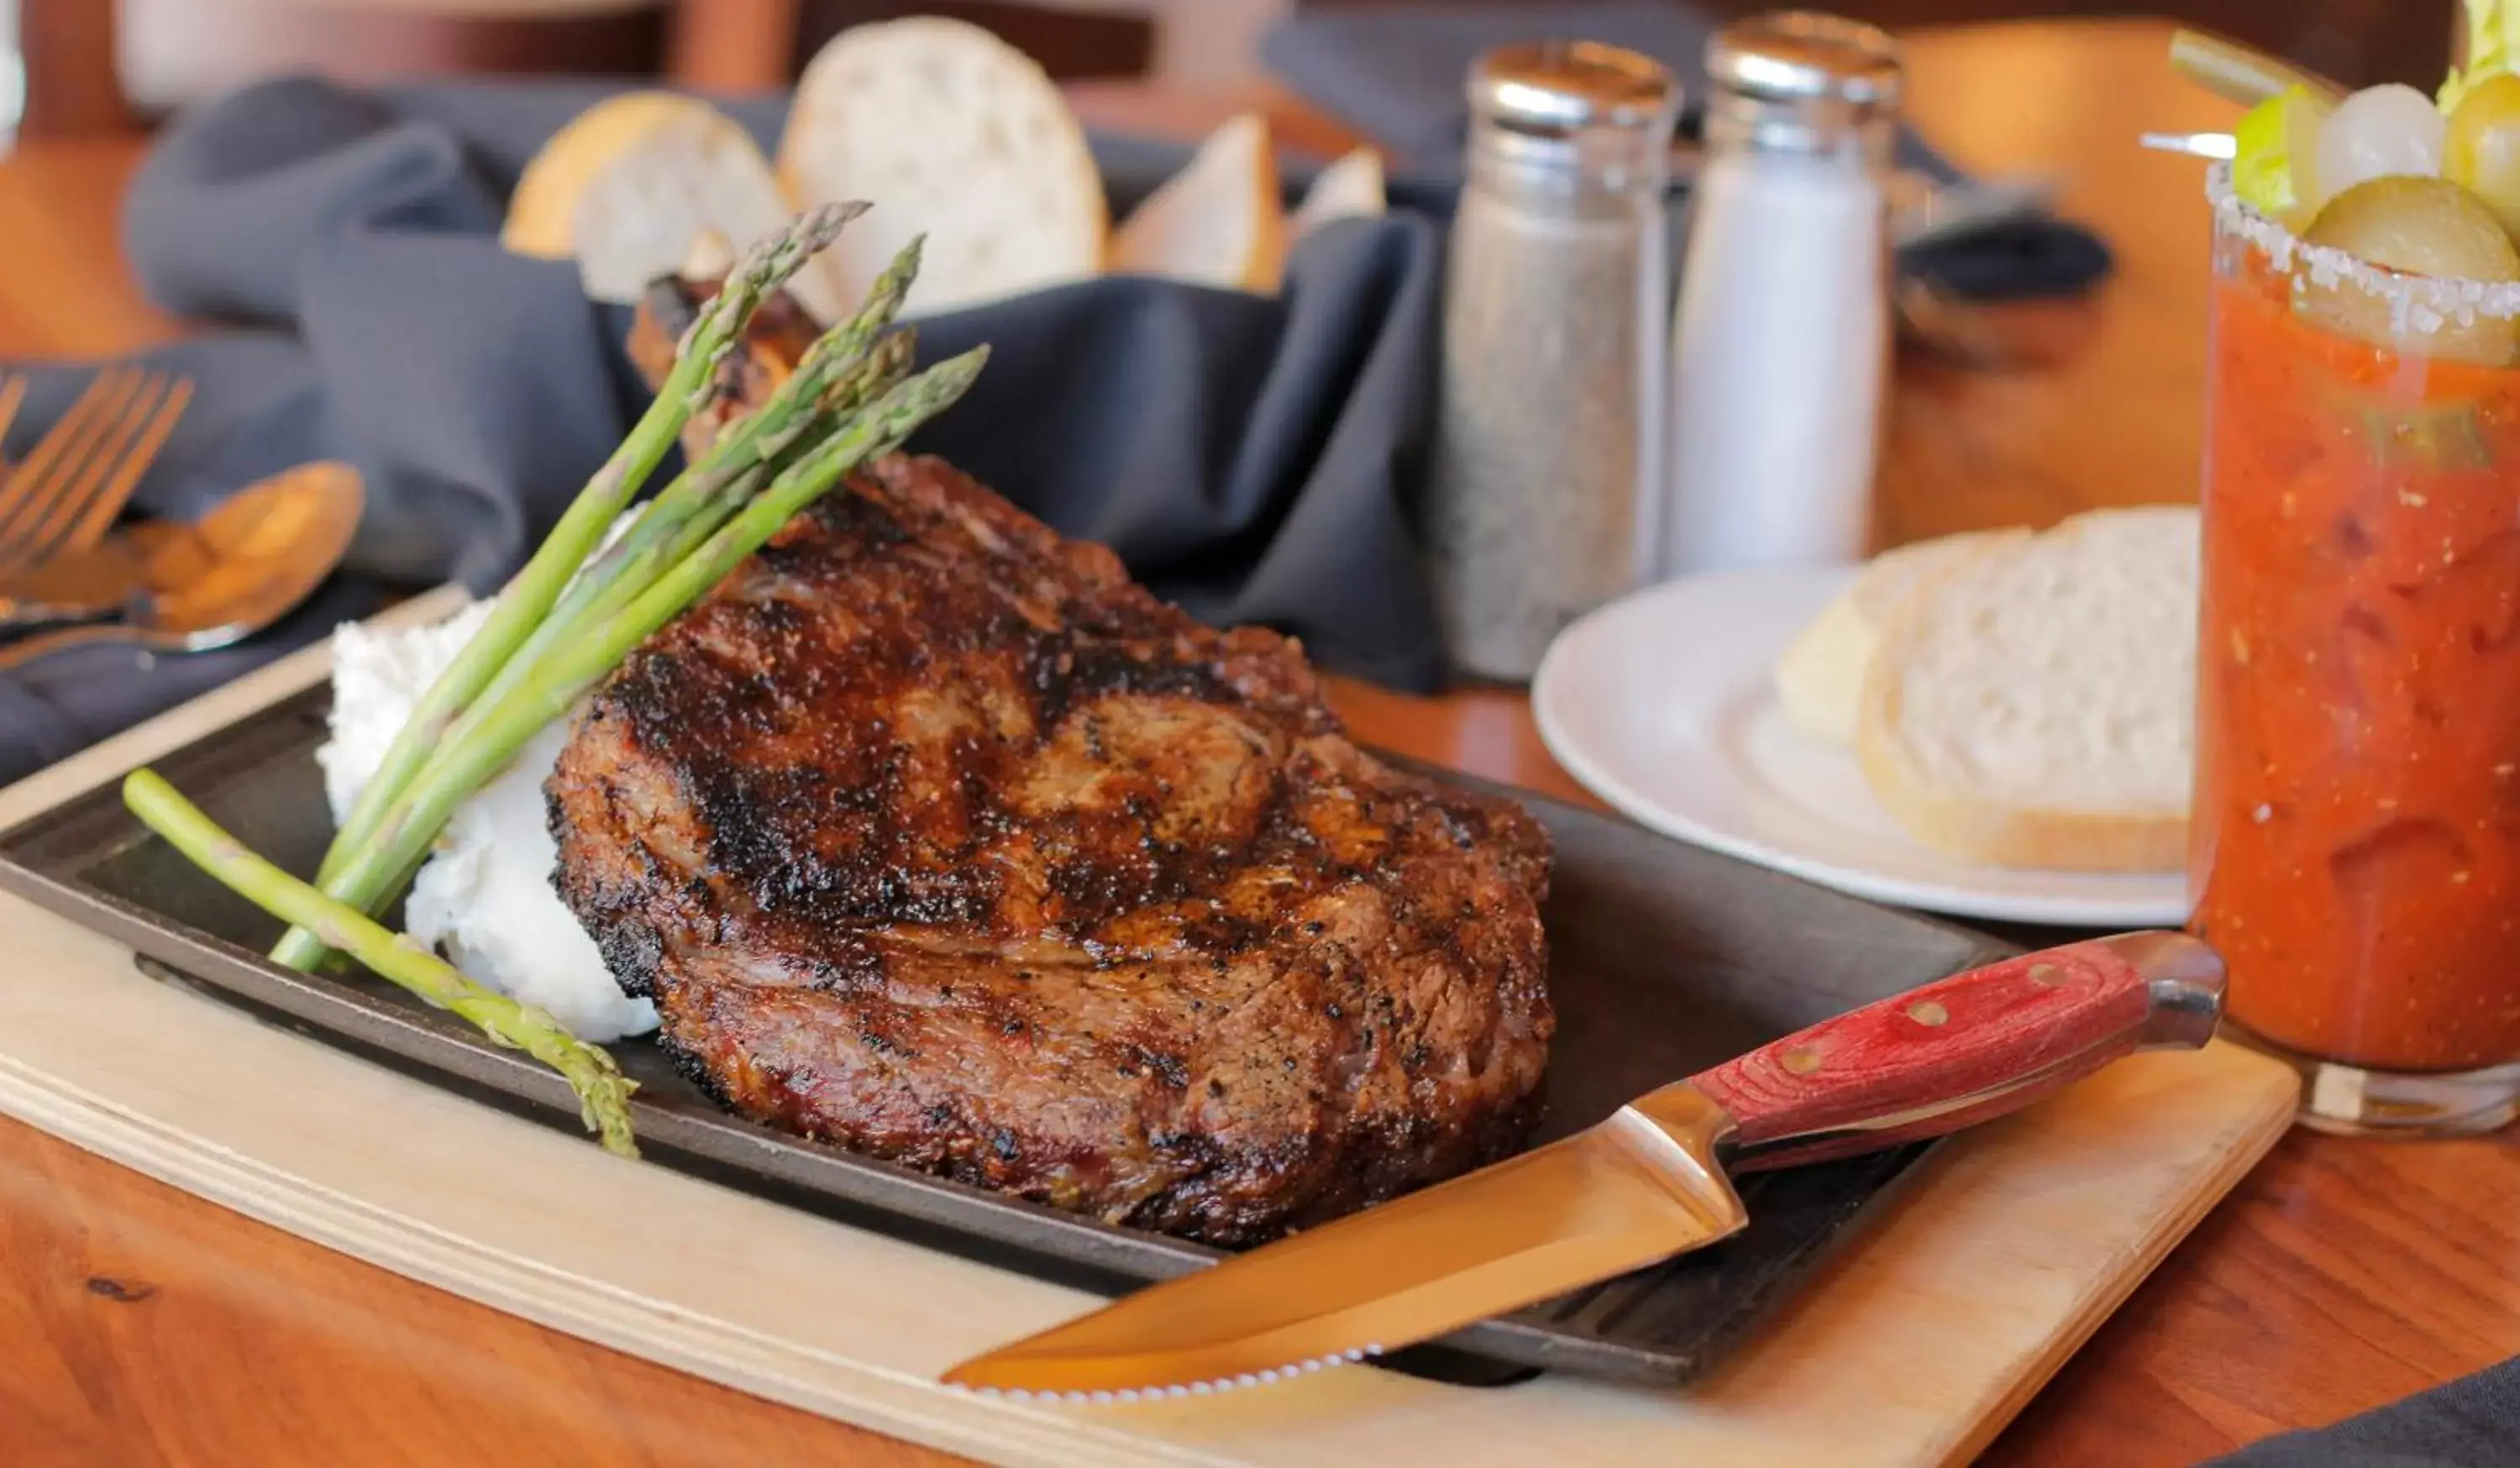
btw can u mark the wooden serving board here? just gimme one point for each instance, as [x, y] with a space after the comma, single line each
[1914, 1347]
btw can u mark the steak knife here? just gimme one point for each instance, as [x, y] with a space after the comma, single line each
[1649, 1182]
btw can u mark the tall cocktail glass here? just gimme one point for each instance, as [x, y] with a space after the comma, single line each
[2355, 846]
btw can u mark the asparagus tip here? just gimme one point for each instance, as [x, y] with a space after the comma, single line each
[776, 255]
[140, 786]
[820, 225]
[603, 1094]
[955, 373]
[770, 261]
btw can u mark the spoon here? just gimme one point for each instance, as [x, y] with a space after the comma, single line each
[225, 576]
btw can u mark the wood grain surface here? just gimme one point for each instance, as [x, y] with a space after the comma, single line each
[139, 1326]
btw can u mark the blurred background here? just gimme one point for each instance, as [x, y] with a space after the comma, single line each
[89, 62]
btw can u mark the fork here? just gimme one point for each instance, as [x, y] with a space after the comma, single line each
[67, 491]
[13, 392]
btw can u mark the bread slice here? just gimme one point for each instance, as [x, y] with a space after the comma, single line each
[1217, 222]
[1820, 676]
[949, 131]
[2035, 706]
[628, 186]
[1350, 188]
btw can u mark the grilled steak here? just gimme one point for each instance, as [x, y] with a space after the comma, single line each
[933, 835]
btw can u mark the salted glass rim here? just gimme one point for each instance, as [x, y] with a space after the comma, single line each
[2443, 299]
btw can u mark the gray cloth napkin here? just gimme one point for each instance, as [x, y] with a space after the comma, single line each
[1395, 73]
[1247, 458]
[2473, 1422]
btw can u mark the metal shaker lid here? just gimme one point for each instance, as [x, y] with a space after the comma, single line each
[1798, 79]
[1798, 55]
[1571, 86]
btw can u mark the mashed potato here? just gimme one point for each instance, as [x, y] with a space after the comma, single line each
[484, 898]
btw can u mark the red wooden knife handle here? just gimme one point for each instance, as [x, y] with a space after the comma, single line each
[1964, 1049]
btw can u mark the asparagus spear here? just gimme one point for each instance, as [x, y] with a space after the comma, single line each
[573, 664]
[828, 379]
[678, 535]
[530, 664]
[871, 435]
[879, 371]
[603, 1092]
[678, 521]
[716, 331]
[695, 505]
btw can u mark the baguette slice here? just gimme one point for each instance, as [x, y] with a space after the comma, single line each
[632, 182]
[1351, 187]
[2035, 706]
[953, 133]
[1217, 222]
[1820, 676]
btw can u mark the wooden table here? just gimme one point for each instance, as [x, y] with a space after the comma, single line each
[138, 1325]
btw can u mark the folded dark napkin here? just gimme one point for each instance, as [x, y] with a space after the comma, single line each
[1245, 456]
[2473, 1422]
[1395, 73]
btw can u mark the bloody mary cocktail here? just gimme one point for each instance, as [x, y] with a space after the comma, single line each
[2355, 840]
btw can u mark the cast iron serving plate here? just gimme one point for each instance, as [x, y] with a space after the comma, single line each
[1664, 958]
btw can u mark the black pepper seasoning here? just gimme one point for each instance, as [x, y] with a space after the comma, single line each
[1548, 460]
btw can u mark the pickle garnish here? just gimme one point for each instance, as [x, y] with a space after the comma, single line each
[2410, 227]
[2423, 437]
[2436, 440]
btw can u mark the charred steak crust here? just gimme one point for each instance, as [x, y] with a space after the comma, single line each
[933, 835]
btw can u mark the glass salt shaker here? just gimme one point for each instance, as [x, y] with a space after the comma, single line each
[1549, 431]
[1780, 349]
[13, 75]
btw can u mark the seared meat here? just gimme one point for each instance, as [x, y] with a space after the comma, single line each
[933, 835]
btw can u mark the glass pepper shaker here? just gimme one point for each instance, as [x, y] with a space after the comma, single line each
[1548, 454]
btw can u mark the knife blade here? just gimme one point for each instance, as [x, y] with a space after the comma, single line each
[1648, 1183]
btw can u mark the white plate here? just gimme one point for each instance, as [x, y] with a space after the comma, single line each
[1660, 704]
